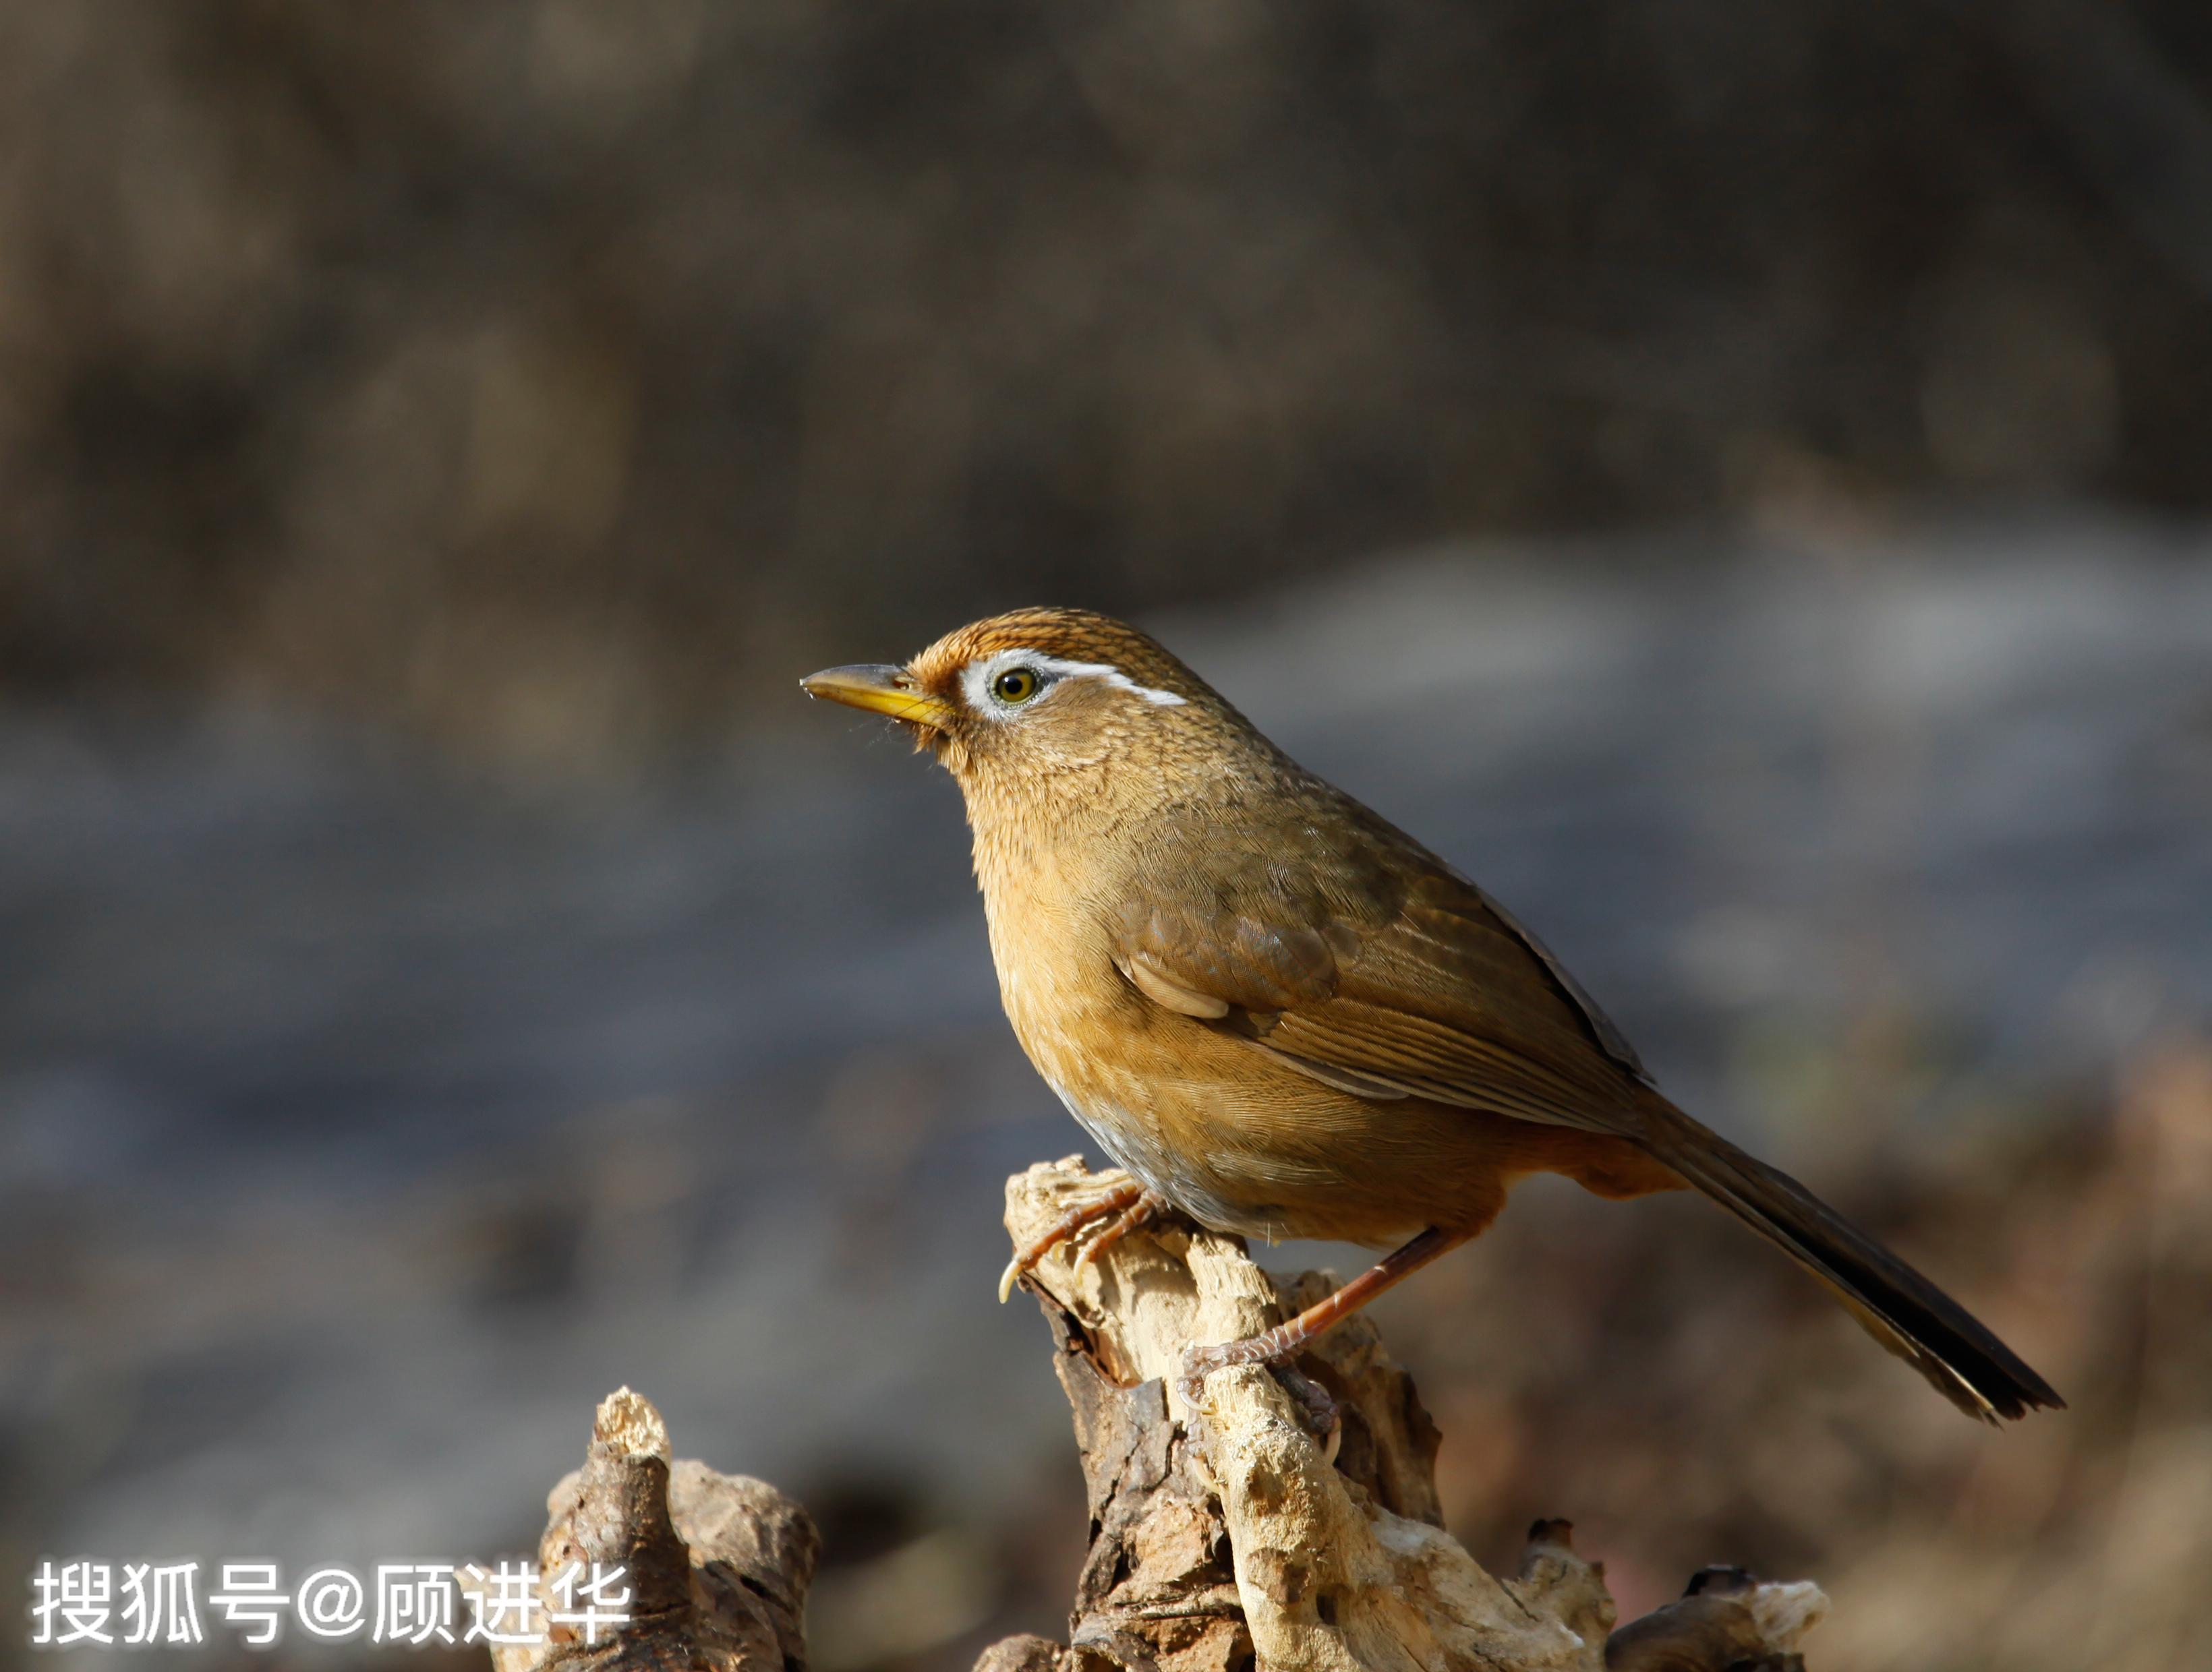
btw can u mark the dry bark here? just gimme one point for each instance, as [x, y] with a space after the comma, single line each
[1221, 1541]
[717, 1565]
[1227, 1537]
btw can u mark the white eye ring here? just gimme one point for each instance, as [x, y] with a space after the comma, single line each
[980, 679]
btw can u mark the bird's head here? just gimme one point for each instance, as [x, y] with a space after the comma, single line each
[1041, 698]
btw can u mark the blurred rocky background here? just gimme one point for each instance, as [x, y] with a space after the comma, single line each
[1733, 477]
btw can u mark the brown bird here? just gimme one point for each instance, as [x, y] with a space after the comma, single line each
[1284, 1017]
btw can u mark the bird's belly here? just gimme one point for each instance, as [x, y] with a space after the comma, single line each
[1243, 1142]
[1096, 1045]
[1235, 1137]
[1240, 1145]
[1135, 1144]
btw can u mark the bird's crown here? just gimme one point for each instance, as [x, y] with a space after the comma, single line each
[1061, 640]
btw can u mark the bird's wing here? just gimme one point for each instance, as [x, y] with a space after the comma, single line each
[1368, 963]
[1401, 980]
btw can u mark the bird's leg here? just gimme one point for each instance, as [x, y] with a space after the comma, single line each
[1118, 1200]
[1292, 1334]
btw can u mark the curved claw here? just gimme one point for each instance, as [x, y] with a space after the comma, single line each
[1197, 1366]
[1120, 1199]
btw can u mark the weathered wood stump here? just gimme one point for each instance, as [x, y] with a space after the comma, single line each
[1227, 1535]
[716, 1566]
[1221, 1540]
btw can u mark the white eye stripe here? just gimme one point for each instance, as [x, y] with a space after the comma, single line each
[978, 677]
[1112, 676]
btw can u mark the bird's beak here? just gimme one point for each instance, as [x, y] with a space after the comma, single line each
[881, 689]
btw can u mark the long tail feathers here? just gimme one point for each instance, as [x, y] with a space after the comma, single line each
[1898, 1307]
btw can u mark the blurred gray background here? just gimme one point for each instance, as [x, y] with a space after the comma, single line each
[1734, 478]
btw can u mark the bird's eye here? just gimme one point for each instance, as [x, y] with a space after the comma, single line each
[1016, 685]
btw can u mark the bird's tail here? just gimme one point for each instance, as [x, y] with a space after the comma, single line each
[1898, 1307]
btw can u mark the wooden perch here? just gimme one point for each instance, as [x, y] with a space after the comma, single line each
[1246, 1544]
[1219, 1544]
[717, 1565]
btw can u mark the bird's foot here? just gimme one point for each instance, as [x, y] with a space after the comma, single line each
[1317, 1410]
[1134, 1217]
[1119, 1200]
